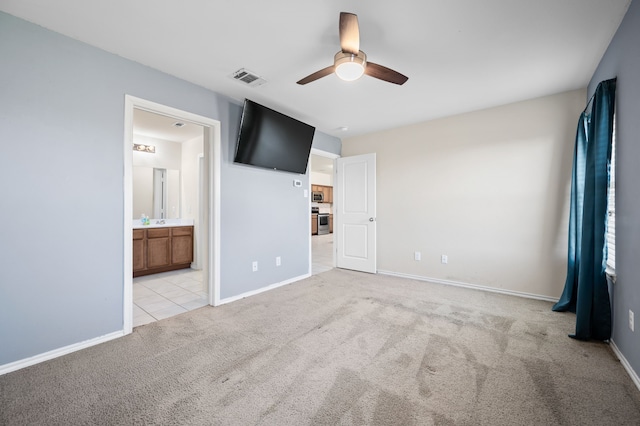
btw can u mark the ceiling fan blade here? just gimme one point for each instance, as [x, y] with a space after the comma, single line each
[316, 75]
[349, 33]
[384, 73]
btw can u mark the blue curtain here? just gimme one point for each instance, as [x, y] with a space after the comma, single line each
[585, 291]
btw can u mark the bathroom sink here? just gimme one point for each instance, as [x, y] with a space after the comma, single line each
[158, 223]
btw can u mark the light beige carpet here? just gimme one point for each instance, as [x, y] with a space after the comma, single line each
[339, 348]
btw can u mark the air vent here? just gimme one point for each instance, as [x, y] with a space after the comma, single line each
[247, 77]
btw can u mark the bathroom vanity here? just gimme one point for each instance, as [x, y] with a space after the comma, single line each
[161, 248]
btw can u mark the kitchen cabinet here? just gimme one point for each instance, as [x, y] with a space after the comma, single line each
[330, 223]
[162, 249]
[314, 224]
[327, 192]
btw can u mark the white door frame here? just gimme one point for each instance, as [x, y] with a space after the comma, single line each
[333, 156]
[211, 225]
[198, 262]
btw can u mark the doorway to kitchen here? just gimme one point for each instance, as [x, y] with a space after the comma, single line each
[196, 198]
[321, 178]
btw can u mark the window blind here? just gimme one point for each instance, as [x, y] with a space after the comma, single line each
[611, 207]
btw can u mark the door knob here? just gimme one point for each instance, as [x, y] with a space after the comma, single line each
[370, 219]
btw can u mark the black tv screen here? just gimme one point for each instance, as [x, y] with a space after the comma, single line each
[272, 140]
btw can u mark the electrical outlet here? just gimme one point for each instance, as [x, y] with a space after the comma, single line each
[278, 261]
[631, 321]
[254, 266]
[417, 255]
[444, 259]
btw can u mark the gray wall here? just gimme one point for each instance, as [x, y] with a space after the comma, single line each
[61, 180]
[327, 143]
[622, 60]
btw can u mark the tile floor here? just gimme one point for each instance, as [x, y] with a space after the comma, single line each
[164, 295]
[321, 253]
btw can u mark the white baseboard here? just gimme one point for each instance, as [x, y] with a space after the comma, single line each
[262, 290]
[472, 286]
[17, 365]
[625, 364]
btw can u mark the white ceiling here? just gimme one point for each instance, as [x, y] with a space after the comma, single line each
[460, 55]
[162, 127]
[321, 164]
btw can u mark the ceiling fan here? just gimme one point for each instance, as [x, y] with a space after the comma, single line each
[351, 63]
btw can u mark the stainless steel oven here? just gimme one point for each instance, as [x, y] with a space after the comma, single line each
[323, 223]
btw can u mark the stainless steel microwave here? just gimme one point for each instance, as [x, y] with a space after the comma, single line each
[318, 197]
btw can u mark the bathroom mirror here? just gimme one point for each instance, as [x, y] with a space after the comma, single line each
[156, 193]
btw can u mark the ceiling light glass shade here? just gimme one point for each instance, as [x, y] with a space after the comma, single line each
[350, 67]
[349, 71]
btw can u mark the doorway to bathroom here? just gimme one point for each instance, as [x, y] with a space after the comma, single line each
[172, 168]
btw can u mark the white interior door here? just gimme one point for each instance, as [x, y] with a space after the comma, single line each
[355, 200]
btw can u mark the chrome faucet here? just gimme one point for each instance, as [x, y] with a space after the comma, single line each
[160, 222]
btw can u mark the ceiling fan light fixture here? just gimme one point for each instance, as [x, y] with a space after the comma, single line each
[350, 67]
[350, 63]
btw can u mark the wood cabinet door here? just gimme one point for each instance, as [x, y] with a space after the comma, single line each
[182, 249]
[139, 261]
[314, 224]
[182, 245]
[139, 250]
[158, 252]
[330, 223]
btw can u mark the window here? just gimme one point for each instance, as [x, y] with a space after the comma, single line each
[611, 209]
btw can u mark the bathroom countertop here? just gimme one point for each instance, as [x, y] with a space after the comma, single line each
[168, 223]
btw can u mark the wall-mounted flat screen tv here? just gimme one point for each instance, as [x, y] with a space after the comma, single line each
[272, 140]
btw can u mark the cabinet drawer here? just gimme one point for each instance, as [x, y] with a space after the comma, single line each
[158, 232]
[138, 234]
[182, 230]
